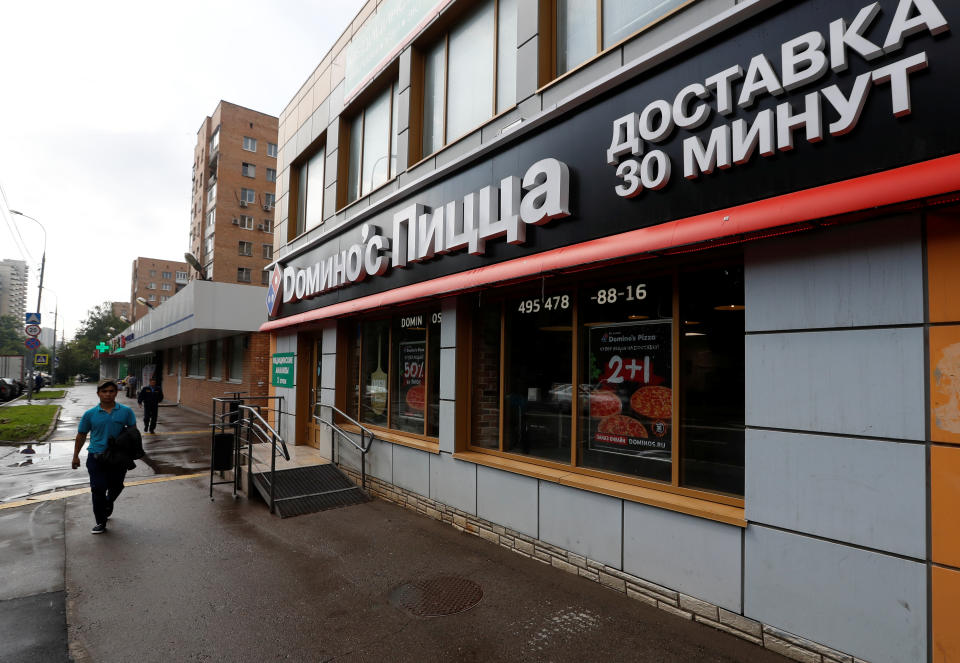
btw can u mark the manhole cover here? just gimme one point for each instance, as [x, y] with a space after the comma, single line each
[446, 595]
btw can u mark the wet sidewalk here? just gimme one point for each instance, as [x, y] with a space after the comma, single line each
[180, 578]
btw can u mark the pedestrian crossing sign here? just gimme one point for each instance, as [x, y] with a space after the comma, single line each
[41, 360]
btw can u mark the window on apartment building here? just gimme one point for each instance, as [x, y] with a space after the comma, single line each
[216, 361]
[308, 178]
[245, 222]
[246, 248]
[271, 174]
[268, 251]
[212, 193]
[632, 374]
[267, 226]
[152, 285]
[153, 272]
[247, 196]
[269, 200]
[181, 276]
[215, 141]
[163, 298]
[166, 275]
[243, 274]
[166, 286]
[264, 278]
[152, 297]
[249, 170]
[372, 153]
[393, 367]
[249, 144]
[211, 220]
[208, 245]
[272, 150]
[236, 358]
[586, 27]
[469, 74]
[197, 366]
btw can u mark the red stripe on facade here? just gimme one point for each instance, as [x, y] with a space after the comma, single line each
[921, 180]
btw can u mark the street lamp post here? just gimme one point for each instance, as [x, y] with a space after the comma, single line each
[43, 260]
[143, 300]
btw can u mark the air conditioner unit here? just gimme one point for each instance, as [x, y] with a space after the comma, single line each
[243, 203]
[236, 222]
[259, 226]
[267, 208]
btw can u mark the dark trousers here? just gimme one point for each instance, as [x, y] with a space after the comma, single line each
[150, 417]
[106, 484]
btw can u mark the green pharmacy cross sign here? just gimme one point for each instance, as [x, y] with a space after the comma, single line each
[102, 347]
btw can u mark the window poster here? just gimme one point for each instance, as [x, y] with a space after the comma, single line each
[412, 385]
[631, 399]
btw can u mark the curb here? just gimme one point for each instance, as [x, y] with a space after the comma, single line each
[53, 425]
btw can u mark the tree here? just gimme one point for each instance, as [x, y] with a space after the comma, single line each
[76, 356]
[11, 336]
[101, 324]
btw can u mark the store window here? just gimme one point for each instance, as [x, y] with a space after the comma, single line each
[197, 367]
[469, 74]
[394, 373]
[236, 358]
[372, 155]
[216, 363]
[587, 27]
[639, 375]
[308, 177]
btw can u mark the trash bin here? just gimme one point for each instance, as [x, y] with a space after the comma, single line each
[222, 452]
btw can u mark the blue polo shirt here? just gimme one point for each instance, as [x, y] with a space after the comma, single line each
[102, 425]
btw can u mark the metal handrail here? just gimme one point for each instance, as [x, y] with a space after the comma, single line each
[365, 434]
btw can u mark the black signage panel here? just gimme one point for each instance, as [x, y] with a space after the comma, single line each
[810, 120]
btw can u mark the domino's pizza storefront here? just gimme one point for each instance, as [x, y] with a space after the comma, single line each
[691, 333]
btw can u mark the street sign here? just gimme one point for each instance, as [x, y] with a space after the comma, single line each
[31, 318]
[32, 330]
[41, 360]
[32, 343]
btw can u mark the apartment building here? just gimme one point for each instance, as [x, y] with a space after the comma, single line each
[155, 280]
[234, 186]
[663, 294]
[121, 309]
[13, 288]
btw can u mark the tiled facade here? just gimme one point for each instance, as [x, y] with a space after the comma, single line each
[230, 235]
[13, 288]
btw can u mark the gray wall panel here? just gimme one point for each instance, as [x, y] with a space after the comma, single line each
[862, 382]
[329, 345]
[453, 482]
[448, 428]
[586, 523]
[411, 469]
[379, 460]
[865, 603]
[695, 556]
[507, 499]
[328, 371]
[868, 492]
[448, 373]
[866, 274]
[448, 323]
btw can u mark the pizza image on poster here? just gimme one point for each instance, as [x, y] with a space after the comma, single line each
[631, 398]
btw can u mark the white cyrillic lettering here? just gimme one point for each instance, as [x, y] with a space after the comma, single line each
[404, 234]
[471, 212]
[510, 191]
[760, 78]
[326, 275]
[787, 122]
[337, 268]
[897, 74]
[489, 226]
[928, 16]
[698, 158]
[802, 60]
[656, 121]
[547, 184]
[429, 234]
[460, 232]
[655, 170]
[842, 37]
[625, 138]
[312, 286]
[301, 283]
[850, 108]
[373, 244]
[760, 134]
[353, 264]
[693, 120]
[723, 87]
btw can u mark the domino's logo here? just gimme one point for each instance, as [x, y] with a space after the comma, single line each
[273, 292]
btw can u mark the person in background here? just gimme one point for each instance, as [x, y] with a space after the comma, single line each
[149, 398]
[131, 385]
[102, 422]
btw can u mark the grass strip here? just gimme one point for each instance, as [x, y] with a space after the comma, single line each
[46, 395]
[25, 422]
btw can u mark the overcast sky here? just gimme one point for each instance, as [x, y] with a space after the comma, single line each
[99, 114]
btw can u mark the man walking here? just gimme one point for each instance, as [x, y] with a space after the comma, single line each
[149, 398]
[103, 421]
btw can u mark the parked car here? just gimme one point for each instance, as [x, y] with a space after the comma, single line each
[9, 389]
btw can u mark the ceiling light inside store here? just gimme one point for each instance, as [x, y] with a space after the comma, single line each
[729, 307]
[694, 334]
[638, 317]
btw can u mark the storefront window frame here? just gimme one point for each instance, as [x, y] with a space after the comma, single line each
[354, 330]
[503, 296]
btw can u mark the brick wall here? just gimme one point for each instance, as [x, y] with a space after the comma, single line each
[196, 393]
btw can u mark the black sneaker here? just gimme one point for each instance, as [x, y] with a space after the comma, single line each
[109, 510]
[99, 528]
